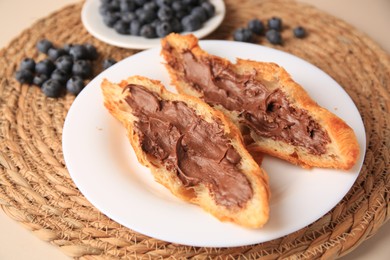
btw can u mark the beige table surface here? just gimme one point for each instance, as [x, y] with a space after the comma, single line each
[370, 16]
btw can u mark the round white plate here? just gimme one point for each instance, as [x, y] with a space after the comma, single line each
[105, 169]
[93, 22]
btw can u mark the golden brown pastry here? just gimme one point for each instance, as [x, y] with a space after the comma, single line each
[275, 114]
[191, 149]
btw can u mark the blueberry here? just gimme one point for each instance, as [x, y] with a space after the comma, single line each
[164, 2]
[148, 31]
[64, 63]
[59, 75]
[299, 32]
[67, 47]
[146, 16]
[191, 23]
[176, 25]
[178, 6]
[126, 6]
[44, 45]
[52, 88]
[150, 6]
[135, 27]
[274, 36]
[200, 12]
[128, 16]
[27, 64]
[39, 79]
[24, 76]
[163, 29]
[243, 35]
[82, 68]
[121, 27]
[55, 53]
[111, 18]
[108, 63]
[165, 13]
[45, 66]
[74, 85]
[256, 26]
[92, 53]
[209, 8]
[78, 52]
[275, 23]
[140, 2]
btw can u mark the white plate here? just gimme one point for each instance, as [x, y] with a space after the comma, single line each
[93, 22]
[104, 167]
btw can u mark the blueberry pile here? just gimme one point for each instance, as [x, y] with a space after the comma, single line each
[272, 31]
[64, 69]
[155, 18]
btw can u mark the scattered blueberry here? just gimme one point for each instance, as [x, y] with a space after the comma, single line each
[299, 32]
[74, 85]
[70, 65]
[55, 53]
[52, 88]
[78, 52]
[92, 53]
[274, 36]
[44, 45]
[243, 35]
[27, 64]
[60, 75]
[64, 63]
[256, 26]
[45, 66]
[24, 76]
[82, 68]
[108, 63]
[275, 23]
[39, 79]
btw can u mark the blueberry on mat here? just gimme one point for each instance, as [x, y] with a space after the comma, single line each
[45, 66]
[60, 75]
[52, 88]
[78, 52]
[44, 45]
[275, 23]
[27, 64]
[256, 26]
[108, 63]
[82, 68]
[64, 63]
[55, 53]
[274, 36]
[74, 85]
[243, 35]
[299, 32]
[39, 79]
[24, 76]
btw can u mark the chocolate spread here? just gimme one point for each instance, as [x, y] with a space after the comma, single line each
[267, 112]
[199, 152]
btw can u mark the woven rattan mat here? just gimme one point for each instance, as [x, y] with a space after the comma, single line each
[36, 190]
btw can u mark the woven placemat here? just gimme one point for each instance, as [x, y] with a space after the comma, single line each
[36, 190]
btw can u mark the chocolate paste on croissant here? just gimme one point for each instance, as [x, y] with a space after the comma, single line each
[200, 153]
[267, 112]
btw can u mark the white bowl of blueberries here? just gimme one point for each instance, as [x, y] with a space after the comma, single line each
[140, 24]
